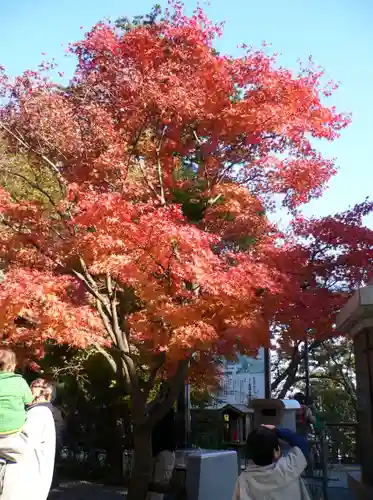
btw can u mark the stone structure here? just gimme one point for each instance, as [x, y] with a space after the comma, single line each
[356, 320]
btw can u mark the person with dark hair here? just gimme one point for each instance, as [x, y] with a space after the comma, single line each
[272, 475]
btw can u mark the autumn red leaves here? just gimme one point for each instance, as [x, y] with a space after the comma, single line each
[155, 236]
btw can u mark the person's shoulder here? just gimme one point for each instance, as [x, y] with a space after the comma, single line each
[293, 459]
[16, 376]
[288, 468]
[295, 452]
[41, 410]
[17, 380]
[41, 416]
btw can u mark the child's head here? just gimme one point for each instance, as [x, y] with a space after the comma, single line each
[42, 390]
[300, 397]
[8, 360]
[262, 446]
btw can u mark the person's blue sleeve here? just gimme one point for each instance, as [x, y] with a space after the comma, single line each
[293, 439]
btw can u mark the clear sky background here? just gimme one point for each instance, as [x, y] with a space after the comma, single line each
[337, 33]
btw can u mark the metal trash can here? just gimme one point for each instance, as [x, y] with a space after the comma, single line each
[210, 474]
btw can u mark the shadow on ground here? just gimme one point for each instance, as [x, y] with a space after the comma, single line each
[340, 494]
[79, 490]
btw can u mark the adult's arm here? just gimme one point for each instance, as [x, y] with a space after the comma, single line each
[294, 439]
[289, 467]
[310, 417]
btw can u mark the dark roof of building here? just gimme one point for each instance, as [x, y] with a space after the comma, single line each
[237, 407]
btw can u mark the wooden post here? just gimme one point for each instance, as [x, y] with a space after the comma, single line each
[183, 417]
[267, 373]
[356, 320]
[307, 370]
[363, 346]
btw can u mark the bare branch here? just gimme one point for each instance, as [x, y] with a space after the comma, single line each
[212, 201]
[147, 181]
[33, 185]
[91, 288]
[289, 371]
[159, 168]
[135, 145]
[345, 382]
[225, 171]
[107, 356]
[53, 167]
[29, 239]
[197, 138]
[289, 374]
[121, 339]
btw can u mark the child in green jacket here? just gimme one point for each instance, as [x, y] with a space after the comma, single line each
[15, 395]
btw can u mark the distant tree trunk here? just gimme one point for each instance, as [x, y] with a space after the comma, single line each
[289, 375]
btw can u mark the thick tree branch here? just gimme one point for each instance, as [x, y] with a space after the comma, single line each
[289, 374]
[120, 336]
[175, 384]
[106, 321]
[92, 289]
[134, 145]
[294, 362]
[159, 362]
[107, 356]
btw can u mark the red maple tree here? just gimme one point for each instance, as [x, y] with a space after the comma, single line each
[154, 244]
[332, 256]
[327, 260]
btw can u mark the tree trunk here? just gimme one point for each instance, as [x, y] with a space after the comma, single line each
[142, 467]
[290, 373]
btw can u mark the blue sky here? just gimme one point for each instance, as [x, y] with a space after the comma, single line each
[337, 33]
